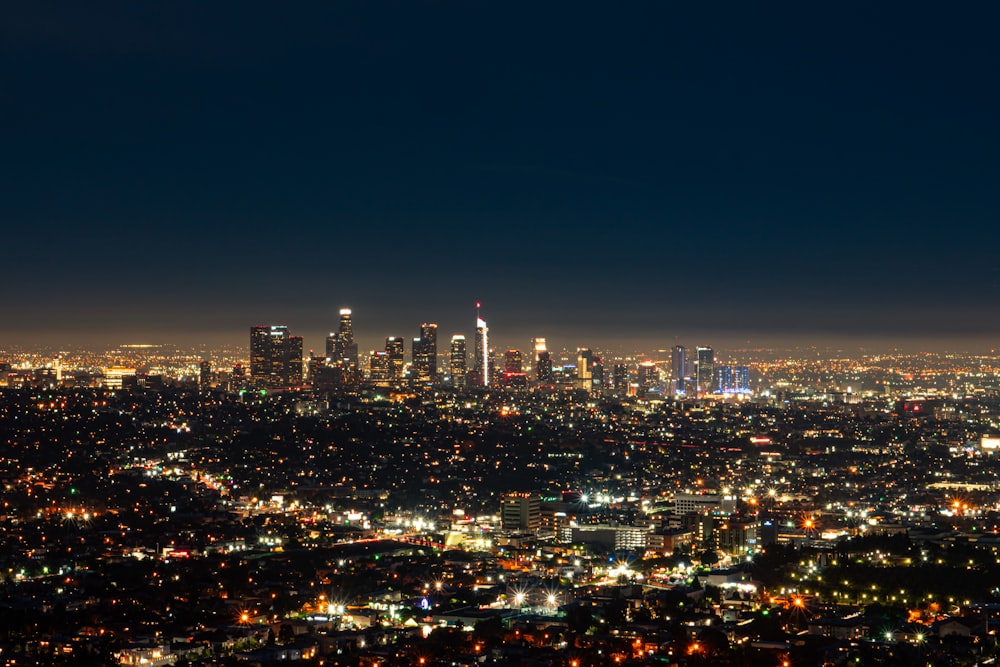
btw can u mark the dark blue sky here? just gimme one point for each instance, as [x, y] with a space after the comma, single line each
[591, 172]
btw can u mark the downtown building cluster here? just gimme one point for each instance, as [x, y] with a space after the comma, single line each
[277, 361]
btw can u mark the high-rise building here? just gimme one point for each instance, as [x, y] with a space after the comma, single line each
[425, 353]
[275, 357]
[205, 374]
[704, 370]
[458, 360]
[345, 351]
[260, 355]
[542, 360]
[732, 380]
[620, 378]
[596, 373]
[521, 512]
[647, 377]
[678, 368]
[481, 367]
[514, 376]
[394, 347]
[512, 361]
[584, 368]
[331, 347]
[380, 368]
[543, 367]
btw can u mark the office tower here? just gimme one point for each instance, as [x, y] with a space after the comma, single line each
[204, 374]
[275, 357]
[704, 370]
[596, 373]
[481, 367]
[732, 380]
[380, 368]
[584, 368]
[345, 349]
[260, 354]
[620, 378]
[238, 378]
[331, 347]
[316, 369]
[425, 353]
[291, 369]
[458, 360]
[678, 368]
[647, 376]
[543, 367]
[521, 512]
[542, 360]
[514, 376]
[512, 362]
[394, 347]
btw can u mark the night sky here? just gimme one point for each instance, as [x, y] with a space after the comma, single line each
[593, 173]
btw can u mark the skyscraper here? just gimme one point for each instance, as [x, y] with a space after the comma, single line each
[584, 368]
[458, 360]
[647, 376]
[380, 368]
[275, 357]
[512, 361]
[260, 353]
[331, 347]
[425, 353]
[481, 370]
[541, 360]
[394, 348]
[620, 378]
[732, 380]
[345, 349]
[596, 373]
[678, 368]
[704, 371]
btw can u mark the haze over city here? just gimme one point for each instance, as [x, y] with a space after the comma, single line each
[660, 171]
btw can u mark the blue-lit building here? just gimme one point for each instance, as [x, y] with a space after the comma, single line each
[732, 380]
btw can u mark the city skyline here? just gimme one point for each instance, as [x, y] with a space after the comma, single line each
[792, 175]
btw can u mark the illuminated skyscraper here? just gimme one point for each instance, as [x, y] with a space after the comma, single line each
[275, 357]
[596, 373]
[425, 353]
[481, 370]
[394, 348]
[204, 374]
[732, 380]
[704, 371]
[458, 360]
[331, 347]
[620, 378]
[584, 368]
[512, 361]
[647, 377]
[678, 368]
[345, 349]
[379, 368]
[260, 354]
[541, 360]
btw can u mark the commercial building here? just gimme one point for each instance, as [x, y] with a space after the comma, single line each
[521, 512]
[459, 360]
[275, 357]
[425, 353]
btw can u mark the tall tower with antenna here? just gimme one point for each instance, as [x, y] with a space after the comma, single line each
[482, 363]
